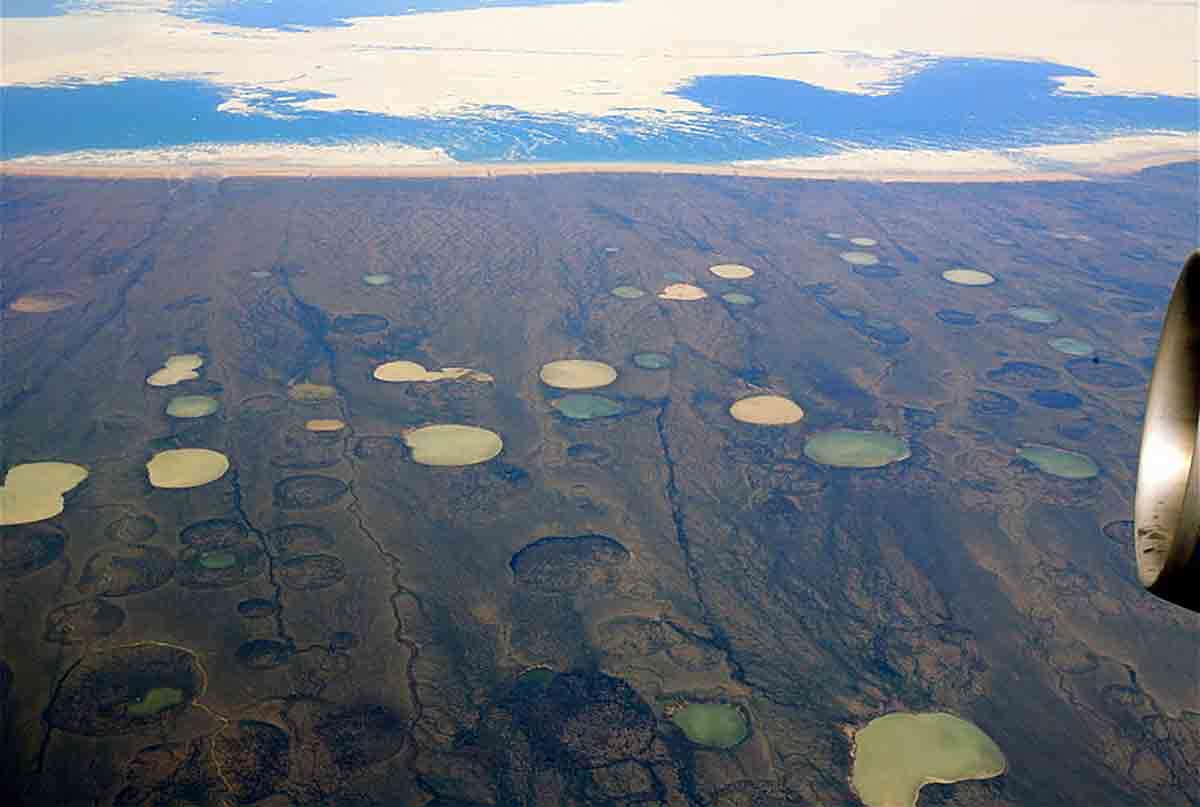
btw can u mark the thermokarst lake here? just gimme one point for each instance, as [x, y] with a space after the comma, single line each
[584, 490]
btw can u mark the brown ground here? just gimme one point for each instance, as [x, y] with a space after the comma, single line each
[374, 658]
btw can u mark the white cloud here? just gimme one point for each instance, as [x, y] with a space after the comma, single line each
[1109, 156]
[608, 58]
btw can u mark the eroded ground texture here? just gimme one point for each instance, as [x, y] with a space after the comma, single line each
[331, 623]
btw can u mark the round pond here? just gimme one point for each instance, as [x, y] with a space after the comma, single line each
[682, 291]
[859, 258]
[1072, 346]
[186, 467]
[737, 298]
[766, 410]
[898, 754]
[1059, 462]
[731, 271]
[451, 445]
[1030, 313]
[583, 406]
[192, 406]
[324, 425]
[49, 477]
[628, 292]
[853, 448]
[181, 367]
[404, 371]
[715, 725]
[968, 277]
[652, 361]
[34, 491]
[577, 374]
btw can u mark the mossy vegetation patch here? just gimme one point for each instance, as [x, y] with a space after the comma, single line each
[257, 608]
[1129, 305]
[876, 271]
[898, 754]
[535, 680]
[361, 735]
[27, 548]
[305, 491]
[713, 725]
[125, 690]
[585, 406]
[592, 719]
[264, 654]
[1099, 372]
[1055, 399]
[176, 369]
[186, 467]
[410, 371]
[131, 529]
[685, 292]
[883, 330]
[84, 621]
[1059, 461]
[731, 271]
[952, 316]
[307, 572]
[452, 445]
[213, 532]
[35, 491]
[1023, 374]
[577, 374]
[968, 277]
[855, 448]
[298, 539]
[254, 757]
[359, 324]
[126, 569]
[987, 403]
[567, 563]
[192, 406]
[766, 410]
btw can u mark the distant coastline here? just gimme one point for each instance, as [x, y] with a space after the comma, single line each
[1121, 157]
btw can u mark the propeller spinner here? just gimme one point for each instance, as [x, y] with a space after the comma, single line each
[1166, 510]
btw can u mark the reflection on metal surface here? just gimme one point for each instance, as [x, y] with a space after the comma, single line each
[1167, 504]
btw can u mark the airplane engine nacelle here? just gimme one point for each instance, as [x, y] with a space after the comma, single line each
[1166, 509]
